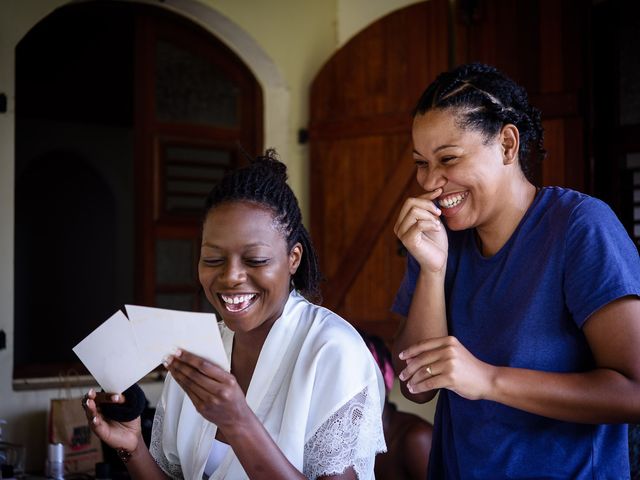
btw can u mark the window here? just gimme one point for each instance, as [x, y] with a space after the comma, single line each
[126, 115]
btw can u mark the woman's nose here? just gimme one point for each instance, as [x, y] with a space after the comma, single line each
[432, 178]
[233, 273]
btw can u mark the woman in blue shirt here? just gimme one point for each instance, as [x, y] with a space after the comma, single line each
[522, 304]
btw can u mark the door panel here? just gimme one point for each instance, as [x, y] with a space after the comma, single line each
[195, 102]
[361, 164]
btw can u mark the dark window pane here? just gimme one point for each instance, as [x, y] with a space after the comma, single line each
[191, 89]
[175, 301]
[174, 262]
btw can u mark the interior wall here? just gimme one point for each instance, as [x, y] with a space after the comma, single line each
[285, 43]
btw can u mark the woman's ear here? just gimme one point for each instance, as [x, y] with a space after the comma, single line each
[510, 141]
[295, 256]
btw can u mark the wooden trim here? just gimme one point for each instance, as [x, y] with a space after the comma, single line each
[44, 382]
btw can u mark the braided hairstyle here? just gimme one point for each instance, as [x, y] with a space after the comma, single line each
[484, 99]
[264, 182]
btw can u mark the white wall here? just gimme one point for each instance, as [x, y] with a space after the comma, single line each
[284, 42]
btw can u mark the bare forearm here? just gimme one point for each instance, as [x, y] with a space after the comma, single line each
[598, 396]
[427, 319]
[427, 315]
[142, 466]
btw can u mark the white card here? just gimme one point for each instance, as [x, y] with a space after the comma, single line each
[111, 355]
[121, 351]
[159, 332]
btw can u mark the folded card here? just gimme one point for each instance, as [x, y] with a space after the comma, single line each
[123, 350]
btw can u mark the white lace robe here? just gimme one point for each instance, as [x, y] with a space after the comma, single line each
[315, 388]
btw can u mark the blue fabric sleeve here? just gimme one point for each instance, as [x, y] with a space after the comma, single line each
[602, 263]
[402, 302]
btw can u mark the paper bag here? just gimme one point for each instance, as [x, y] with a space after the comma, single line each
[68, 425]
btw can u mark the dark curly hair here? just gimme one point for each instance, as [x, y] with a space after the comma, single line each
[264, 182]
[484, 99]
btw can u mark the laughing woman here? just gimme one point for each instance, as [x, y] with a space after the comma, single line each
[303, 398]
[523, 310]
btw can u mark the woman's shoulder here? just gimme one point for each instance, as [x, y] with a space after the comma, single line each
[563, 210]
[580, 213]
[332, 337]
[568, 200]
[329, 324]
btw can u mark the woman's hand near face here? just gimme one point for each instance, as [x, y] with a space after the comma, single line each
[420, 230]
[126, 435]
[214, 392]
[445, 363]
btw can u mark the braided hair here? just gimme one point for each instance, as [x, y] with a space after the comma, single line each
[264, 182]
[484, 99]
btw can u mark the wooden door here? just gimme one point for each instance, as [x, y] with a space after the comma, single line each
[360, 150]
[360, 117]
[540, 44]
[197, 108]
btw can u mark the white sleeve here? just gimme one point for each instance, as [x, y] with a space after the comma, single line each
[155, 448]
[351, 437]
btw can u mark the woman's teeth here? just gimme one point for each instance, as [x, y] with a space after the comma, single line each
[236, 303]
[453, 200]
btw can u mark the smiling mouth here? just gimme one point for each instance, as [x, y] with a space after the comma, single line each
[450, 201]
[237, 303]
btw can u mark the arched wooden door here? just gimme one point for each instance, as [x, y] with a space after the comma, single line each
[196, 104]
[361, 164]
[360, 147]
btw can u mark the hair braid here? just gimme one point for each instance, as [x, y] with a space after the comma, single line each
[264, 181]
[484, 99]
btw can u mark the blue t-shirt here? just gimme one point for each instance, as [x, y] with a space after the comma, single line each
[525, 307]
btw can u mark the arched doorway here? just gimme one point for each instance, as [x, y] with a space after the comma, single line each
[158, 106]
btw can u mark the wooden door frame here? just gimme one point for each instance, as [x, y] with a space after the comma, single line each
[151, 133]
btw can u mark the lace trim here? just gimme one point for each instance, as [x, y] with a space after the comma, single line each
[351, 437]
[174, 470]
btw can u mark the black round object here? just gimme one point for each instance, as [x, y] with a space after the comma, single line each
[134, 403]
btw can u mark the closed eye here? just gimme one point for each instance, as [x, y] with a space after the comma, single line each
[447, 159]
[257, 262]
[212, 262]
